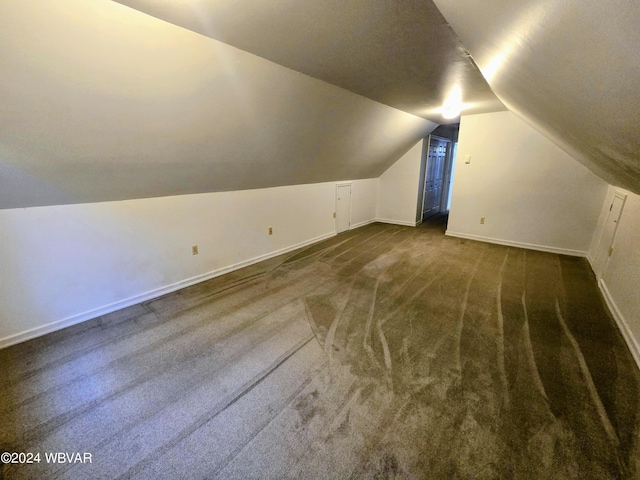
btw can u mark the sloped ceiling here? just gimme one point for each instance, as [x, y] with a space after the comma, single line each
[100, 101]
[570, 68]
[400, 53]
[103, 102]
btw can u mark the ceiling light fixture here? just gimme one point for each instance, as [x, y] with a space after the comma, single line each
[452, 106]
[451, 110]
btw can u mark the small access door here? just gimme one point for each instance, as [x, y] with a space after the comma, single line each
[605, 247]
[343, 208]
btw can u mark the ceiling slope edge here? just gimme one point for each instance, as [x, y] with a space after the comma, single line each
[103, 103]
[569, 69]
[401, 54]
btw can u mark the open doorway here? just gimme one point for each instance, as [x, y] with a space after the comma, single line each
[436, 173]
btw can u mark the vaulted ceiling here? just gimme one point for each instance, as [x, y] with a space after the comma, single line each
[110, 101]
[102, 102]
[401, 53]
[570, 68]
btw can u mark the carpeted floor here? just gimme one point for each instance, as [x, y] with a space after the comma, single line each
[385, 352]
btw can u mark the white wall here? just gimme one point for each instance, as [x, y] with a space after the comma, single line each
[398, 189]
[64, 264]
[530, 192]
[364, 201]
[621, 278]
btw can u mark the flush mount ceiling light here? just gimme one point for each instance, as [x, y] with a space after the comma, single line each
[452, 106]
[451, 110]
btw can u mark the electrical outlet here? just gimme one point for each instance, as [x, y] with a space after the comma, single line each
[194, 250]
[270, 230]
[482, 220]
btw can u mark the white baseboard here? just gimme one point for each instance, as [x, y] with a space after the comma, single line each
[362, 224]
[509, 243]
[112, 307]
[396, 222]
[632, 343]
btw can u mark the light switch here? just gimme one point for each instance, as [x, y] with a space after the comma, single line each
[467, 159]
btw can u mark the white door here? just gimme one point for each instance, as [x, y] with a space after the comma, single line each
[343, 208]
[608, 235]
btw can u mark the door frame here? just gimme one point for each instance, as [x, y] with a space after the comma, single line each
[447, 181]
[424, 168]
[422, 177]
[338, 185]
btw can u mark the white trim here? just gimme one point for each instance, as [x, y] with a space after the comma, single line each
[143, 297]
[510, 243]
[362, 224]
[396, 222]
[628, 335]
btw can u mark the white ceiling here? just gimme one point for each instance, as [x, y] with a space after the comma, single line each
[400, 53]
[101, 101]
[570, 68]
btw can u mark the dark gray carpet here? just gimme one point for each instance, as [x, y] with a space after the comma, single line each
[385, 352]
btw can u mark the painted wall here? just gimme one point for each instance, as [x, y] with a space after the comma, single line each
[530, 192]
[364, 201]
[65, 264]
[398, 188]
[101, 102]
[621, 278]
